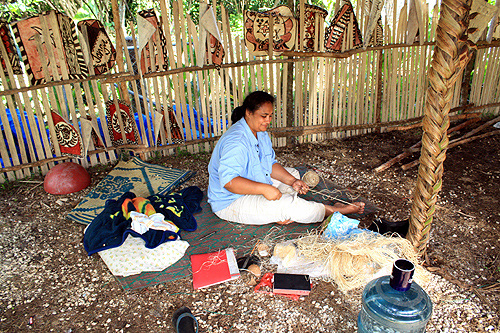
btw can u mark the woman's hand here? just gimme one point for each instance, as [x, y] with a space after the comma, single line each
[299, 186]
[271, 193]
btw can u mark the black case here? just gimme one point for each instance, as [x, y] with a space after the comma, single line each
[299, 284]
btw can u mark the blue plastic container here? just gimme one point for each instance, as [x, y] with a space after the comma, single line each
[394, 304]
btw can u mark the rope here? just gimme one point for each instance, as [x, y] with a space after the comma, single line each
[312, 179]
[451, 54]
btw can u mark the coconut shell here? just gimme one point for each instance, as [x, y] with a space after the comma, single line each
[255, 270]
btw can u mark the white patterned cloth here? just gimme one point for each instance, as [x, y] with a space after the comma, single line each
[132, 257]
[141, 223]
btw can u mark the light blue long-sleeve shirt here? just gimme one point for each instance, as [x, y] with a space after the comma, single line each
[238, 153]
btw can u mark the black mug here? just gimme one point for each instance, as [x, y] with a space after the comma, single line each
[402, 274]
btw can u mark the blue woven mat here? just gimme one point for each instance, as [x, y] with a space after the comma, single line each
[142, 178]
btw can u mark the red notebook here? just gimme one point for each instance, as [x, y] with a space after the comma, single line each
[214, 268]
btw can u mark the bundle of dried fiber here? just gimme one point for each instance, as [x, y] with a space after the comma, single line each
[355, 260]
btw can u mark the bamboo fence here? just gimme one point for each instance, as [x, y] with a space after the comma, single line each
[319, 95]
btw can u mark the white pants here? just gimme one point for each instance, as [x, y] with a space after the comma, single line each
[256, 209]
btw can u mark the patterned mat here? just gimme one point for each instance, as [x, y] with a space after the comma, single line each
[240, 237]
[142, 178]
[227, 234]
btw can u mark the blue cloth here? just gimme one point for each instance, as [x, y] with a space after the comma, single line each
[110, 228]
[179, 207]
[238, 153]
[340, 227]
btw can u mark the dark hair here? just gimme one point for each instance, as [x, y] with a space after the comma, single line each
[251, 103]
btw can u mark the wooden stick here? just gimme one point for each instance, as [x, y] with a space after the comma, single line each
[155, 94]
[486, 124]
[226, 31]
[413, 148]
[180, 100]
[145, 149]
[119, 53]
[306, 130]
[83, 37]
[126, 76]
[198, 93]
[455, 143]
[62, 158]
[452, 145]
[11, 103]
[188, 54]
[146, 102]
[475, 115]
[51, 95]
[110, 156]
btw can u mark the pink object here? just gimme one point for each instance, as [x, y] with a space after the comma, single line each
[65, 178]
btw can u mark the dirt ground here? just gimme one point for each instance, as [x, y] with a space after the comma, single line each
[50, 284]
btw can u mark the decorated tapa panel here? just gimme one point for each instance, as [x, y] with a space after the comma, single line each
[102, 51]
[311, 12]
[209, 33]
[61, 28]
[257, 31]
[129, 127]
[374, 33]
[216, 51]
[69, 139]
[175, 129]
[338, 29]
[159, 46]
[8, 43]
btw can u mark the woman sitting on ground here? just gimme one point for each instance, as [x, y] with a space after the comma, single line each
[247, 185]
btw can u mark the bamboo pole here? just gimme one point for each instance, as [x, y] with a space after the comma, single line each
[12, 145]
[86, 88]
[154, 95]
[51, 95]
[12, 101]
[180, 100]
[325, 128]
[188, 55]
[126, 76]
[146, 132]
[202, 93]
[3, 150]
[198, 92]
[226, 100]
[62, 158]
[378, 89]
[68, 88]
[240, 75]
[119, 50]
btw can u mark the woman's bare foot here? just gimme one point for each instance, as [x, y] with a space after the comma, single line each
[284, 222]
[354, 208]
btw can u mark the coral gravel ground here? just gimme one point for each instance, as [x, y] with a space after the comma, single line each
[49, 284]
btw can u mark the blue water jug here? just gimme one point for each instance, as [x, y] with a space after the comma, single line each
[395, 304]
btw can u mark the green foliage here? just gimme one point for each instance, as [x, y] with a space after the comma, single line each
[182, 152]
[156, 159]
[19, 9]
